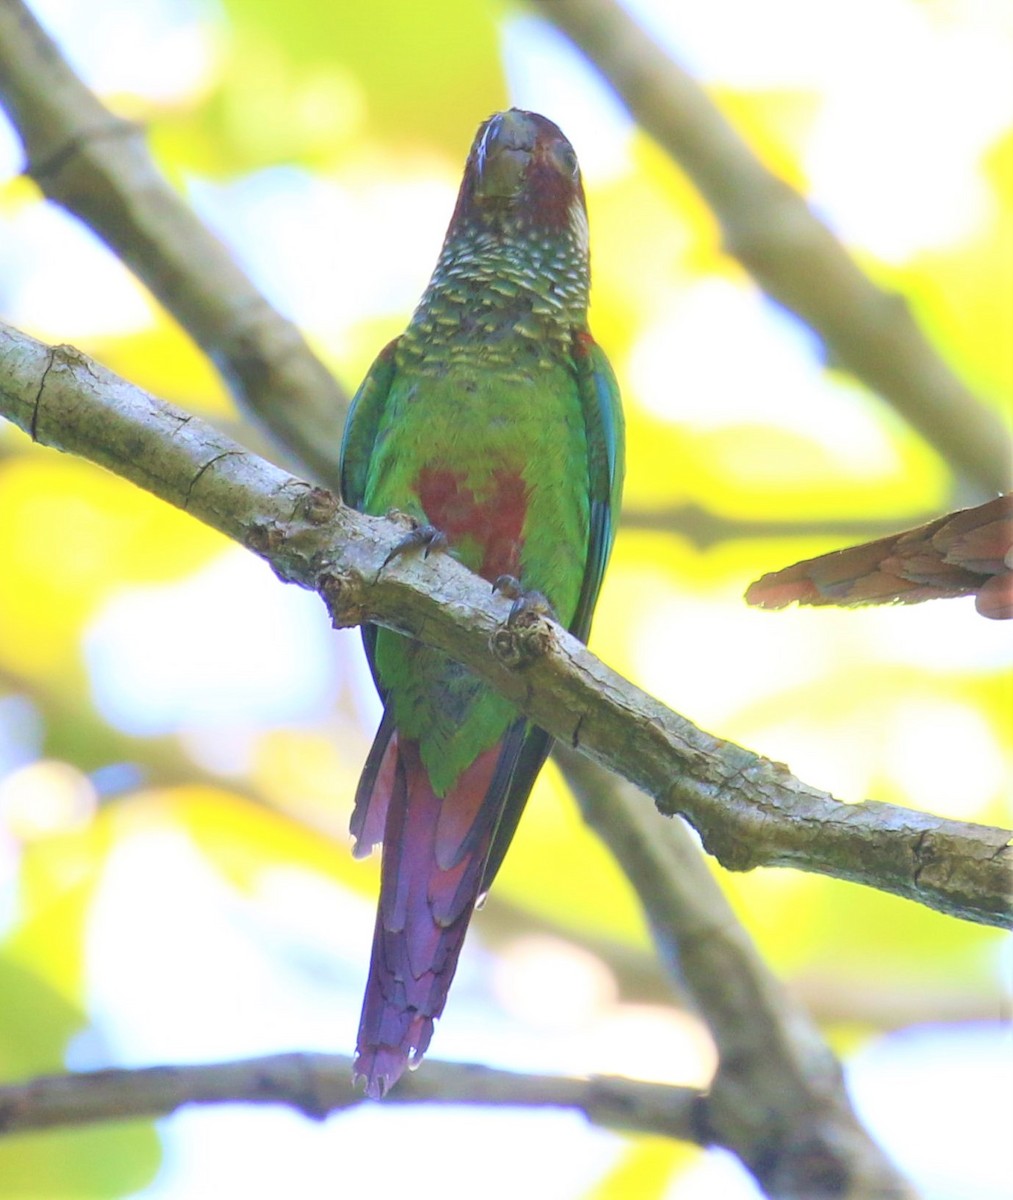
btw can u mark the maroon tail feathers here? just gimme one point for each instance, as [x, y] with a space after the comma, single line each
[434, 852]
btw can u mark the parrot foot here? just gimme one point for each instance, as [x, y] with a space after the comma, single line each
[426, 538]
[526, 634]
[526, 604]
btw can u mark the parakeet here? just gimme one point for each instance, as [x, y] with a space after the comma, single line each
[964, 553]
[494, 421]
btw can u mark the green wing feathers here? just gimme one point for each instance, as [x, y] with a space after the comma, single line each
[494, 417]
[603, 421]
[364, 417]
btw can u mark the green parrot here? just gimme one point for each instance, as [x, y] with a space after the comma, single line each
[494, 421]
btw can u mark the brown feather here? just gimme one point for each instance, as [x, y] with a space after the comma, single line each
[966, 553]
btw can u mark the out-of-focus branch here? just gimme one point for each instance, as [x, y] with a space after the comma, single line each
[748, 811]
[97, 166]
[794, 257]
[778, 1099]
[162, 762]
[321, 1084]
[704, 528]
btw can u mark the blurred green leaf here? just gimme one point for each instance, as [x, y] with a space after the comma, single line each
[110, 1160]
[304, 73]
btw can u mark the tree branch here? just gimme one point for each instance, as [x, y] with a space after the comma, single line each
[97, 166]
[748, 811]
[794, 257]
[162, 762]
[321, 1084]
[778, 1099]
[704, 528]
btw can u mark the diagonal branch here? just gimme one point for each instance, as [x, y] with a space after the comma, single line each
[748, 811]
[97, 166]
[318, 1085]
[162, 762]
[794, 257]
[778, 1099]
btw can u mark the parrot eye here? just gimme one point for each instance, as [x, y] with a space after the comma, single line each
[564, 159]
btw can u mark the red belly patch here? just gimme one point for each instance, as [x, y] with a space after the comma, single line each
[495, 522]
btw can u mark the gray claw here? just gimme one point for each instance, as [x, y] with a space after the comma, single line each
[509, 586]
[524, 602]
[426, 538]
[530, 603]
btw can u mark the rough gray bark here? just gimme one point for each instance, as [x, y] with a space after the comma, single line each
[749, 811]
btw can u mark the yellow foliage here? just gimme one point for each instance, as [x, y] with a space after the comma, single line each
[775, 123]
[645, 1170]
[241, 838]
[58, 878]
[385, 97]
[559, 870]
[71, 533]
[164, 360]
[963, 292]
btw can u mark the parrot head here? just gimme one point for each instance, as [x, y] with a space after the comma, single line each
[521, 171]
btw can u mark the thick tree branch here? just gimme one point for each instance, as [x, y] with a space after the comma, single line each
[778, 1099]
[794, 257]
[748, 811]
[321, 1084]
[162, 762]
[97, 166]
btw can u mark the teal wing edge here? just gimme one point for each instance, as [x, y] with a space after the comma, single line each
[362, 425]
[364, 416]
[603, 423]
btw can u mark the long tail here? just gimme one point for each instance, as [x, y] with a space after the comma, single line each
[434, 855]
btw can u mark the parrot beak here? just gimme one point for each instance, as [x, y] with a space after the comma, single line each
[504, 154]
